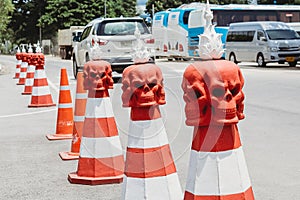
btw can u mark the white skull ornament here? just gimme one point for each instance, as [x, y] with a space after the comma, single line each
[142, 86]
[213, 93]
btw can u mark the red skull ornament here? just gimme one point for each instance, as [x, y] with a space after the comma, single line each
[38, 59]
[97, 75]
[213, 93]
[142, 86]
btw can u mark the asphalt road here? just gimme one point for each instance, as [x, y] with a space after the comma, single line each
[30, 167]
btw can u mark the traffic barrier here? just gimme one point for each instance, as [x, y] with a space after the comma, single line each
[30, 73]
[23, 69]
[101, 158]
[64, 122]
[40, 96]
[79, 114]
[18, 65]
[150, 171]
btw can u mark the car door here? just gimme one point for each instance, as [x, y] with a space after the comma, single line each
[83, 45]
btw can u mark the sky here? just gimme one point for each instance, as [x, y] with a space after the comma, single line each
[141, 2]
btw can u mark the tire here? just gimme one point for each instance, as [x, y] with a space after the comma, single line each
[260, 60]
[292, 64]
[75, 68]
[87, 58]
[232, 58]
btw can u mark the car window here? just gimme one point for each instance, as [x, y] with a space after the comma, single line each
[86, 33]
[121, 28]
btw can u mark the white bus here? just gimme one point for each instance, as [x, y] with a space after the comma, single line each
[176, 30]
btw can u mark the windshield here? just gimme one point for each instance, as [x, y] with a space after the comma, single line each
[282, 34]
[121, 28]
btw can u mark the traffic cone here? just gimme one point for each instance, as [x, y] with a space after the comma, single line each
[217, 167]
[101, 158]
[150, 171]
[18, 65]
[40, 96]
[30, 73]
[79, 114]
[23, 69]
[64, 123]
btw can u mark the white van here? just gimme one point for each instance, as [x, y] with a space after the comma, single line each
[262, 42]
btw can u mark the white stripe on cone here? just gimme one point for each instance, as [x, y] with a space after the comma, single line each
[156, 188]
[147, 134]
[99, 108]
[40, 90]
[218, 173]
[103, 147]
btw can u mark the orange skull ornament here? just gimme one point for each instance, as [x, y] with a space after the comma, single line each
[97, 75]
[142, 86]
[38, 59]
[213, 93]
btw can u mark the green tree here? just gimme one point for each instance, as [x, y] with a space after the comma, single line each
[6, 7]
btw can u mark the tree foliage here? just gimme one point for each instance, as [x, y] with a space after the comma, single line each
[6, 7]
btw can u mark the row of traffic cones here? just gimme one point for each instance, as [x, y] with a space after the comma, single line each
[149, 166]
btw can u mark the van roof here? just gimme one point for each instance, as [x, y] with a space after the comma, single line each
[266, 25]
[111, 19]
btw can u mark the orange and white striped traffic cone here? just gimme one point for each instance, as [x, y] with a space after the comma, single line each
[150, 171]
[18, 65]
[40, 96]
[217, 167]
[64, 122]
[79, 114]
[29, 75]
[101, 158]
[23, 69]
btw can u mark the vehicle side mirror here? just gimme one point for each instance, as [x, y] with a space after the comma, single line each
[76, 38]
[263, 39]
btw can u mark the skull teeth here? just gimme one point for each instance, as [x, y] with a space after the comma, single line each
[228, 111]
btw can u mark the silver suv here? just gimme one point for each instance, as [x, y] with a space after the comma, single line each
[116, 39]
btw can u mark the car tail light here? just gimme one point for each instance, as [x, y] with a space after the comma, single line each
[100, 42]
[165, 48]
[180, 47]
[150, 41]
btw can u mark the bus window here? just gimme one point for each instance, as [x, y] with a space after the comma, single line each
[196, 19]
[186, 15]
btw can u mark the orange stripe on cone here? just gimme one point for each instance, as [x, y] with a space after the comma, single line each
[101, 158]
[79, 113]
[18, 69]
[64, 123]
[40, 96]
[29, 80]
[149, 163]
[217, 168]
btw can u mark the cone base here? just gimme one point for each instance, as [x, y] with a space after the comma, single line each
[40, 105]
[26, 93]
[69, 156]
[59, 136]
[74, 178]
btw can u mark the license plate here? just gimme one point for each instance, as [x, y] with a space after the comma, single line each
[290, 59]
[126, 43]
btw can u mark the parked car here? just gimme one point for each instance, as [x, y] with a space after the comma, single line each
[262, 42]
[116, 39]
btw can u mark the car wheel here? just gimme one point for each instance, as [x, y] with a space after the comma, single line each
[87, 58]
[260, 60]
[292, 64]
[75, 68]
[232, 58]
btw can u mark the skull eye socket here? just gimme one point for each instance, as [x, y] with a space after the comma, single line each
[235, 90]
[151, 85]
[218, 92]
[138, 85]
[93, 75]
